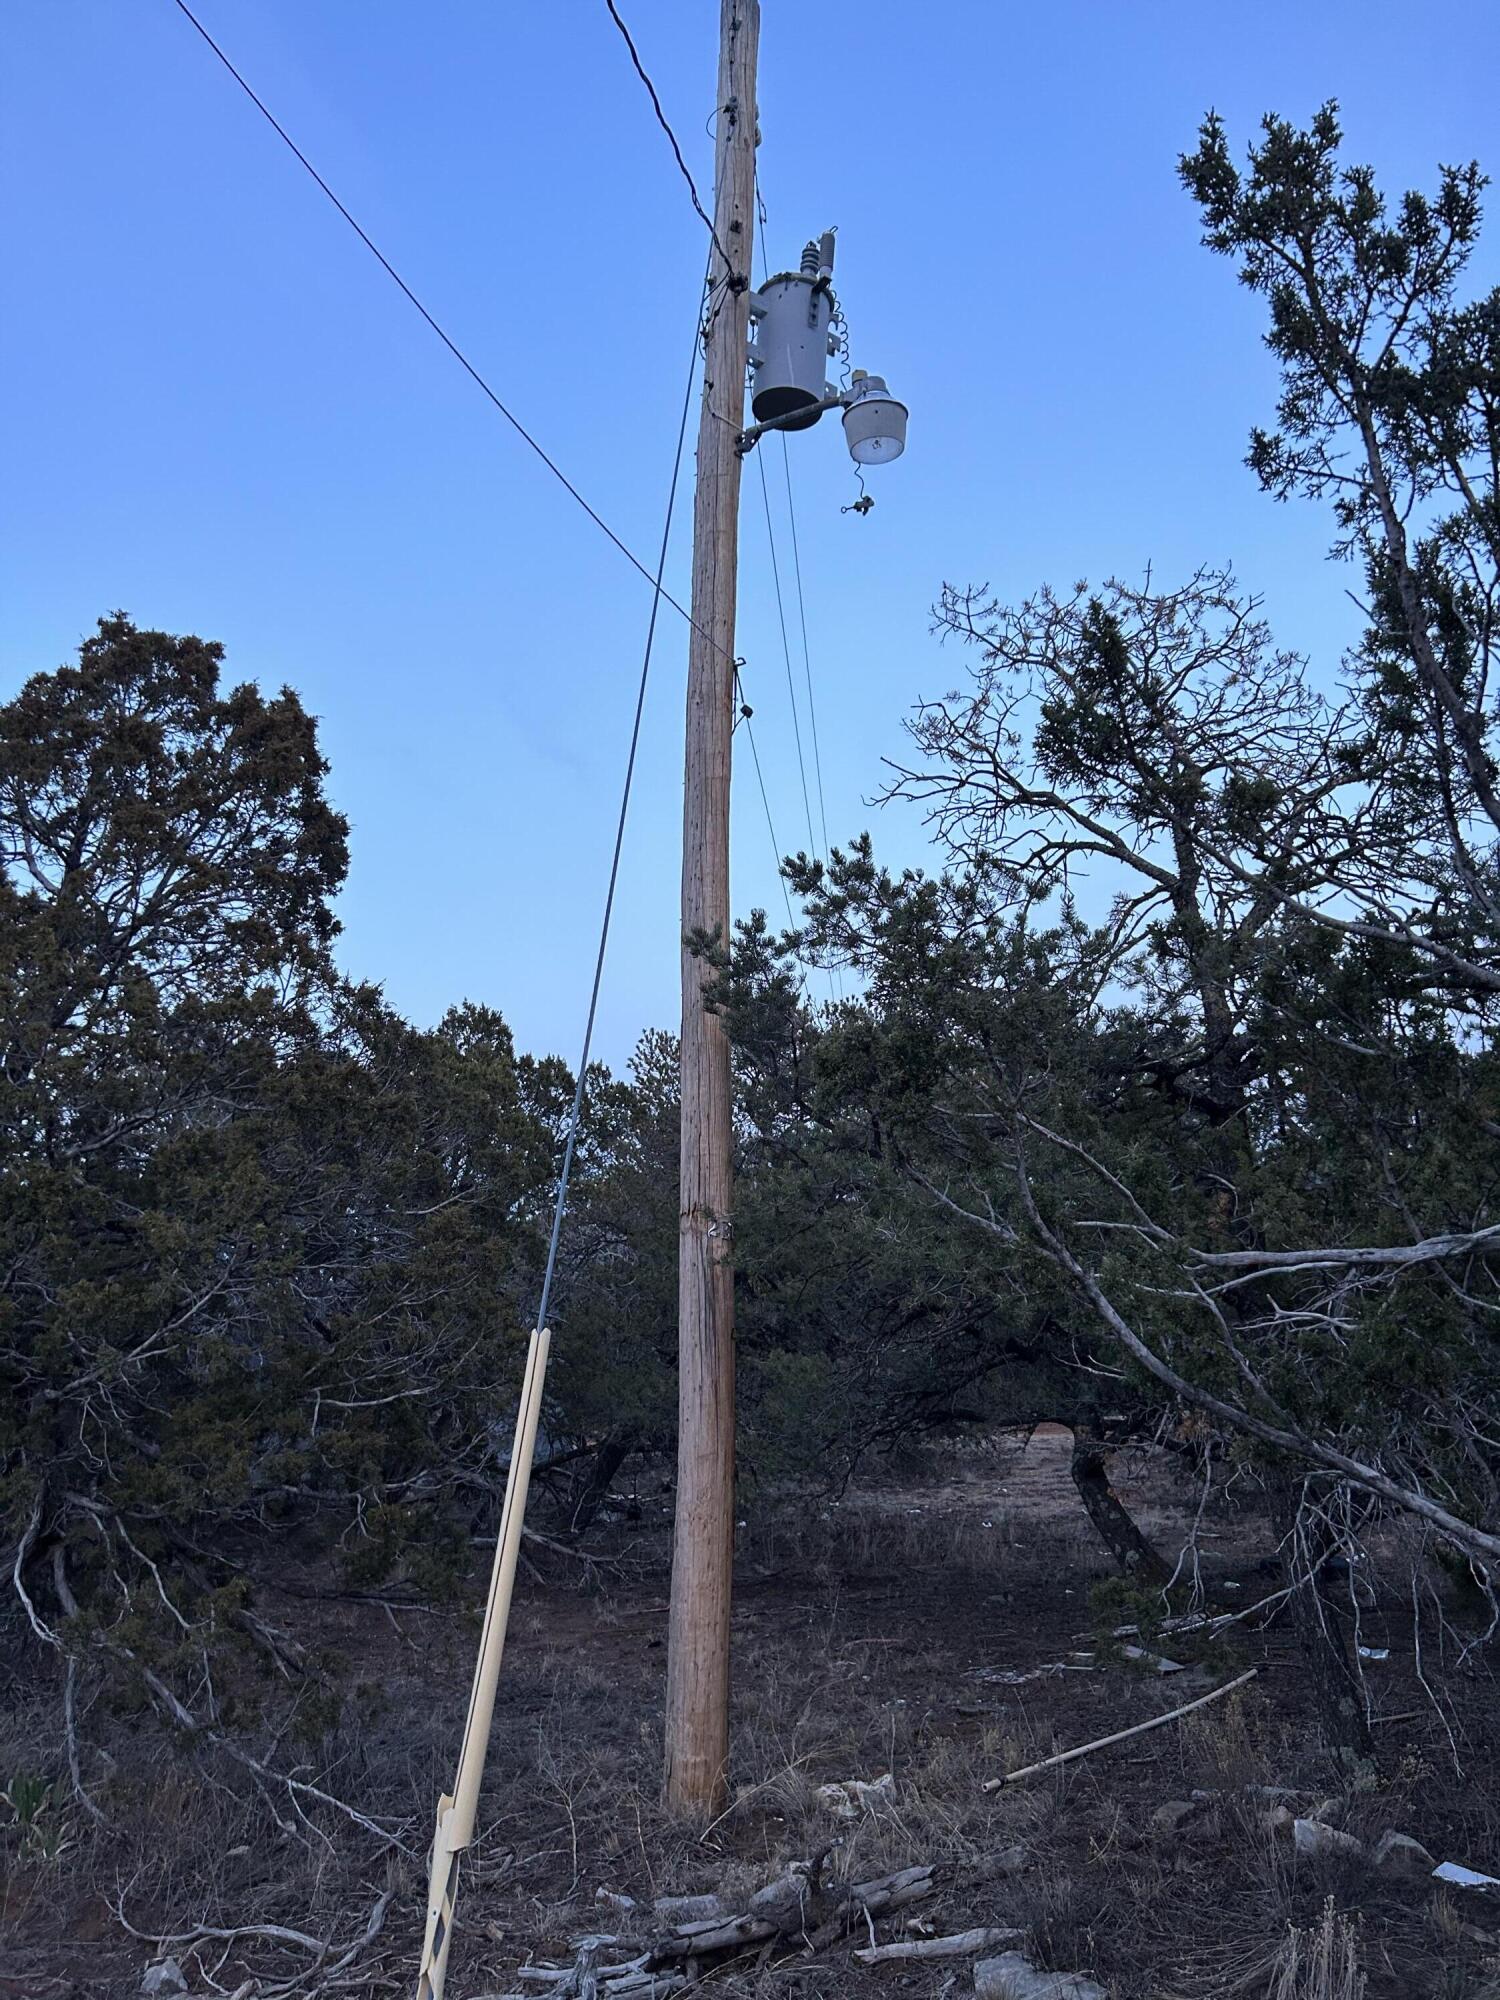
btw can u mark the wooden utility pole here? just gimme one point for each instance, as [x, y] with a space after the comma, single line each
[697, 1723]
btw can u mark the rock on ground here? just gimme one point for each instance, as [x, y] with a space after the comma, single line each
[1311, 1837]
[162, 1979]
[1012, 1977]
[1401, 1855]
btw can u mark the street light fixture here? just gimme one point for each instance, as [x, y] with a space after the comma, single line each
[874, 422]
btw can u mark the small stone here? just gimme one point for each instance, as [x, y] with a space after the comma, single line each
[1173, 1817]
[163, 1978]
[1311, 1837]
[1401, 1855]
[1012, 1977]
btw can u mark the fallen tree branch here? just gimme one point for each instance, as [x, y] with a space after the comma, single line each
[630, 1980]
[213, 1933]
[563, 1549]
[720, 1934]
[875, 1899]
[960, 1945]
[1120, 1735]
[1477, 1542]
[281, 1934]
[1201, 1622]
[1211, 1623]
[314, 1792]
[785, 1910]
[789, 1907]
[366, 1938]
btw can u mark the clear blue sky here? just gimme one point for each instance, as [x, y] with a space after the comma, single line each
[220, 415]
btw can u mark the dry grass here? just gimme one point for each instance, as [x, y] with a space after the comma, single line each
[858, 1630]
[1323, 1962]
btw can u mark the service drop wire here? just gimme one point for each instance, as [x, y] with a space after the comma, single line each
[835, 979]
[576, 1116]
[660, 594]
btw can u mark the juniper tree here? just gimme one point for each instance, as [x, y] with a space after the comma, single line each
[1233, 1159]
[262, 1244]
[1390, 411]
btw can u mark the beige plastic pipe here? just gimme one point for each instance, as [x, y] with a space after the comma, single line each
[456, 1810]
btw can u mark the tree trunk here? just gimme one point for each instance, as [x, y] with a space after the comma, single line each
[608, 1459]
[1118, 1532]
[1320, 1611]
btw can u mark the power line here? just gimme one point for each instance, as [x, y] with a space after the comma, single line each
[812, 713]
[443, 1888]
[452, 346]
[770, 823]
[836, 984]
[786, 653]
[660, 595]
[835, 977]
[614, 867]
[791, 511]
[661, 119]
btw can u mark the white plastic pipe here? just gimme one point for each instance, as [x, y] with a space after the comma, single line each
[456, 1810]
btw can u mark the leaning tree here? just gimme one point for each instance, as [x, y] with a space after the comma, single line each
[1240, 1159]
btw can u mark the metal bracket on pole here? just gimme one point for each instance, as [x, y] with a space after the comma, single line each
[747, 440]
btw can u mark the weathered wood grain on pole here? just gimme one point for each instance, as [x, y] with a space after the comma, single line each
[697, 1718]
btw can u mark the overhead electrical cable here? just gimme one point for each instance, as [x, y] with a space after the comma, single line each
[770, 823]
[786, 652]
[661, 119]
[658, 594]
[726, 284]
[812, 713]
[665, 596]
[835, 977]
[835, 980]
[791, 512]
[456, 1810]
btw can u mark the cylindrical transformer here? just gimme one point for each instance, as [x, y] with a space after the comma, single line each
[791, 315]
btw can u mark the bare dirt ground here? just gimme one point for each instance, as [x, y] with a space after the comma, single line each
[927, 1626]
